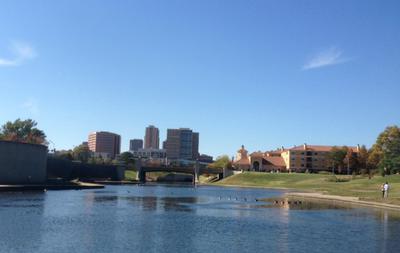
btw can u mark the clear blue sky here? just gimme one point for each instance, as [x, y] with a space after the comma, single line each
[260, 73]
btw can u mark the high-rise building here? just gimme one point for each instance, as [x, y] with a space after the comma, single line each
[135, 144]
[105, 142]
[152, 138]
[172, 143]
[195, 146]
[182, 143]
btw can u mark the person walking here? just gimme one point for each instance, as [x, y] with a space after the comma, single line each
[386, 189]
[383, 190]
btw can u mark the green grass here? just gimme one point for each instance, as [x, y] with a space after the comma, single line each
[362, 187]
[130, 175]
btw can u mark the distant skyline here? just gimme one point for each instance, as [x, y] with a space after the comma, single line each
[264, 74]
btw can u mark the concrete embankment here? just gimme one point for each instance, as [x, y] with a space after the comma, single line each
[124, 182]
[43, 187]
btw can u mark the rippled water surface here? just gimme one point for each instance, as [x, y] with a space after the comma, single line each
[186, 219]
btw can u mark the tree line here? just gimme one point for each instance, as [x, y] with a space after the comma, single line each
[383, 156]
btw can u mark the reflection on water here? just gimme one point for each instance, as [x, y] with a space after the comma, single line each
[301, 204]
[149, 203]
[186, 219]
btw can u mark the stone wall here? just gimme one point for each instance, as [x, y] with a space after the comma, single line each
[22, 163]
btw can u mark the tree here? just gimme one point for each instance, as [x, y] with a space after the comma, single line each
[81, 153]
[374, 157]
[221, 162]
[22, 131]
[65, 154]
[362, 160]
[128, 159]
[386, 151]
[96, 160]
[337, 157]
[351, 161]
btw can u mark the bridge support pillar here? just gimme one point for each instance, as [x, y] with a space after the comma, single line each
[141, 174]
[196, 174]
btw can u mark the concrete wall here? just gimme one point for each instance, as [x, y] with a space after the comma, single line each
[68, 170]
[97, 171]
[22, 163]
[229, 172]
[59, 168]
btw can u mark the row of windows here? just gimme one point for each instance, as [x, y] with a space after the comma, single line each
[315, 159]
[309, 153]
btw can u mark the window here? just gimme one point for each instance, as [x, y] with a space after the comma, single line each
[302, 165]
[315, 153]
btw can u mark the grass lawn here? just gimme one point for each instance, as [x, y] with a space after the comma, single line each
[362, 187]
[130, 175]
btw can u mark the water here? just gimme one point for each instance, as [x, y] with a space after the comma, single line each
[185, 219]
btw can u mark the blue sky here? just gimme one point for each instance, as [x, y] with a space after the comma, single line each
[260, 73]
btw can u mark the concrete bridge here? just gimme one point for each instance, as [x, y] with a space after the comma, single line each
[196, 170]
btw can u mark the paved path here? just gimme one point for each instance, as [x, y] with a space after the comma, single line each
[351, 200]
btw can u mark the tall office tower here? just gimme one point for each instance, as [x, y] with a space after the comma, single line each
[152, 138]
[105, 142]
[195, 146]
[135, 144]
[182, 143]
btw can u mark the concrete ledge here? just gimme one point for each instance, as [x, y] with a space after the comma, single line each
[117, 182]
[43, 187]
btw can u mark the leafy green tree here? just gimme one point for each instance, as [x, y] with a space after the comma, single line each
[96, 160]
[221, 162]
[81, 153]
[386, 151]
[337, 156]
[65, 154]
[23, 131]
[128, 159]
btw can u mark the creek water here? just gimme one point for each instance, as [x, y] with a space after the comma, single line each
[170, 218]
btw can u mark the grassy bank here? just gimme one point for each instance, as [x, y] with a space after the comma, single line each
[362, 187]
[130, 175]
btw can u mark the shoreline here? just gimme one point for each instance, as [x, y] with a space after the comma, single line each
[52, 187]
[320, 196]
[343, 199]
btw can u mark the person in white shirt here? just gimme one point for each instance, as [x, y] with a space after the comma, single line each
[386, 189]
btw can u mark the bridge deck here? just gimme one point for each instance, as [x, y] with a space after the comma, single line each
[187, 170]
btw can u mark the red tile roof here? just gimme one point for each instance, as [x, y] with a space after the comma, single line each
[258, 154]
[317, 148]
[242, 161]
[275, 160]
